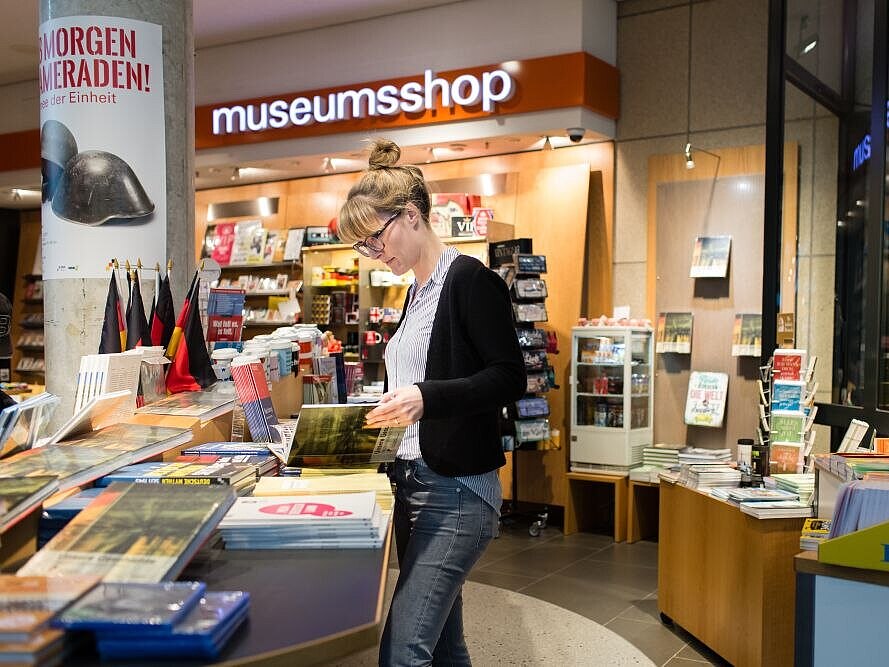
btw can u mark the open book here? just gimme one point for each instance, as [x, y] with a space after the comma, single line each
[337, 435]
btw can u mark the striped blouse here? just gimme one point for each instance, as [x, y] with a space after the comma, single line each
[405, 357]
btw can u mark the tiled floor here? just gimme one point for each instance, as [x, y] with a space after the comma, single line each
[612, 584]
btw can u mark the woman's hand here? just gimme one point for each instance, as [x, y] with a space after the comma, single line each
[399, 407]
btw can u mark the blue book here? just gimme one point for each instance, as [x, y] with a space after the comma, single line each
[130, 473]
[132, 607]
[788, 395]
[202, 633]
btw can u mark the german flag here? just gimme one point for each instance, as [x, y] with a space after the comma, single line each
[138, 333]
[114, 332]
[163, 317]
[176, 336]
[191, 369]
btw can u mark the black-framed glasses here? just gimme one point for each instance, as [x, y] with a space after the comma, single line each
[372, 245]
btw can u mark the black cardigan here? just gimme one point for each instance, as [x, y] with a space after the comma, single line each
[474, 367]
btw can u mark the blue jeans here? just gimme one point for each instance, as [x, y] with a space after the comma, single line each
[441, 530]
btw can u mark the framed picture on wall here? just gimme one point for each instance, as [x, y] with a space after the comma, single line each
[674, 333]
[705, 403]
[710, 257]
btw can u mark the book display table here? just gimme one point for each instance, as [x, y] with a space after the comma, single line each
[726, 577]
[642, 511]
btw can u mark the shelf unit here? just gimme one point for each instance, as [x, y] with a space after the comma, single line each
[26, 306]
[611, 396]
[254, 298]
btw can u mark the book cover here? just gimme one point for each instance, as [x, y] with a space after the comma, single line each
[271, 511]
[28, 603]
[674, 333]
[705, 402]
[329, 434]
[229, 448]
[710, 257]
[225, 318]
[816, 527]
[747, 335]
[132, 606]
[785, 457]
[20, 495]
[788, 395]
[788, 364]
[249, 242]
[183, 472]
[141, 440]
[72, 465]
[134, 533]
[787, 426]
[253, 395]
[294, 244]
[205, 405]
[223, 242]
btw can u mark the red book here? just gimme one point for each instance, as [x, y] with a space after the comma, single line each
[223, 241]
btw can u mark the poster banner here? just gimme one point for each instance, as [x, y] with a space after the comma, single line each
[102, 144]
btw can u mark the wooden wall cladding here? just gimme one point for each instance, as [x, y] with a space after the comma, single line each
[683, 204]
[547, 196]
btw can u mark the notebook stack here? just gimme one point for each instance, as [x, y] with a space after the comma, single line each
[691, 455]
[654, 461]
[335, 521]
[28, 605]
[324, 484]
[709, 475]
[163, 620]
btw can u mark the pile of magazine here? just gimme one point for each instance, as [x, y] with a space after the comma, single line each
[240, 476]
[334, 521]
[163, 620]
[709, 475]
[860, 504]
[29, 604]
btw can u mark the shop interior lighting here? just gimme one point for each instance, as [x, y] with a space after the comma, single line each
[430, 155]
[326, 165]
[807, 40]
[16, 194]
[547, 144]
[690, 157]
[236, 174]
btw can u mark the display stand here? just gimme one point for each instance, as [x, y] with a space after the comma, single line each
[642, 511]
[578, 510]
[528, 417]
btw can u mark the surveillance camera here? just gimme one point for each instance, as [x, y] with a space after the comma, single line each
[575, 134]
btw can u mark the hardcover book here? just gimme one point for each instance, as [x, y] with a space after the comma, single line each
[134, 533]
[337, 434]
[710, 257]
[30, 602]
[674, 332]
[20, 495]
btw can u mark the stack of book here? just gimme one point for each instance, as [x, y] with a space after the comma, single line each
[134, 532]
[335, 521]
[692, 455]
[814, 532]
[251, 452]
[802, 484]
[756, 495]
[28, 606]
[19, 496]
[23, 424]
[777, 509]
[252, 389]
[708, 475]
[264, 465]
[656, 460]
[156, 621]
[56, 516]
[324, 484]
[239, 476]
[204, 405]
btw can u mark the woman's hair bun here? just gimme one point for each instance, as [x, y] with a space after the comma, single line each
[383, 153]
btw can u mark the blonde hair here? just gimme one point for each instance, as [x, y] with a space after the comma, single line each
[384, 187]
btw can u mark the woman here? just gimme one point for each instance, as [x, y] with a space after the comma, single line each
[451, 365]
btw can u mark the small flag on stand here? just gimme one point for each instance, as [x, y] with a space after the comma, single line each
[180, 321]
[191, 369]
[138, 333]
[114, 332]
[163, 319]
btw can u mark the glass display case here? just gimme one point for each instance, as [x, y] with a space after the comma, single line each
[611, 396]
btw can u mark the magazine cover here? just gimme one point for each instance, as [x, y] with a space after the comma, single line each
[337, 434]
[272, 510]
[72, 465]
[141, 439]
[134, 533]
[705, 404]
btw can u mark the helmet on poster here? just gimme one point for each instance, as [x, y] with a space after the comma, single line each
[57, 146]
[98, 186]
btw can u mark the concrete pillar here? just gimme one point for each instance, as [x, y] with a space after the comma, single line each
[74, 307]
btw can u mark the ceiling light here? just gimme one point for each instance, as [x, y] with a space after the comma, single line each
[547, 144]
[326, 165]
[810, 46]
[16, 194]
[235, 175]
[430, 155]
[689, 160]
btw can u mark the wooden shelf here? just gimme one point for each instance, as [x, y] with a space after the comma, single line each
[268, 265]
[269, 323]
